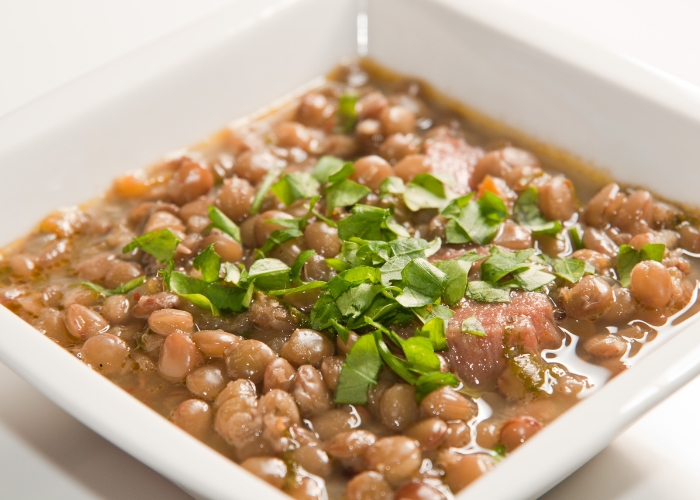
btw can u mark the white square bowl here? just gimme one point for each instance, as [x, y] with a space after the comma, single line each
[66, 147]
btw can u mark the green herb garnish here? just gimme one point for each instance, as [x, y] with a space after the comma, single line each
[628, 257]
[120, 290]
[220, 221]
[473, 326]
[347, 112]
[295, 186]
[208, 262]
[160, 244]
[359, 372]
[527, 213]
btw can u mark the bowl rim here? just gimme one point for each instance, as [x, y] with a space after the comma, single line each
[619, 402]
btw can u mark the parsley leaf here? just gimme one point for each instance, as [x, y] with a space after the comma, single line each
[208, 262]
[425, 191]
[359, 372]
[575, 237]
[434, 330]
[160, 244]
[527, 213]
[220, 221]
[391, 185]
[569, 269]
[120, 290]
[533, 278]
[359, 252]
[299, 262]
[423, 283]
[482, 291]
[475, 220]
[501, 263]
[628, 257]
[265, 186]
[212, 296]
[304, 287]
[295, 186]
[278, 237]
[473, 326]
[327, 166]
[391, 270]
[324, 312]
[457, 272]
[431, 381]
[344, 194]
[347, 113]
[366, 222]
[269, 274]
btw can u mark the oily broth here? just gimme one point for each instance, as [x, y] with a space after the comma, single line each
[141, 377]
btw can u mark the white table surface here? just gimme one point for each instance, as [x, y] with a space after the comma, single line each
[45, 453]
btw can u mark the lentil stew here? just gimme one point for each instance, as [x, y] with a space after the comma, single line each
[362, 294]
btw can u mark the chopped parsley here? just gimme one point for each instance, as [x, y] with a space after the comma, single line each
[527, 213]
[120, 290]
[220, 221]
[160, 244]
[384, 277]
[628, 257]
[347, 112]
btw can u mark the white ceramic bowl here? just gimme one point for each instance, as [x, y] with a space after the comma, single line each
[66, 147]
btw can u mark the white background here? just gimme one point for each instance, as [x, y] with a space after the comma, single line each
[45, 453]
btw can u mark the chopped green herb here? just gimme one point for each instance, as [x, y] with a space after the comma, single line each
[391, 185]
[337, 264]
[457, 272]
[628, 257]
[269, 274]
[327, 166]
[220, 221]
[533, 278]
[575, 237]
[295, 186]
[359, 252]
[366, 222]
[278, 237]
[434, 330]
[208, 262]
[474, 220]
[344, 194]
[482, 291]
[347, 113]
[264, 188]
[391, 270]
[569, 269]
[324, 312]
[431, 381]
[423, 283]
[425, 191]
[212, 296]
[527, 213]
[342, 332]
[232, 273]
[359, 372]
[160, 244]
[305, 287]
[120, 290]
[501, 263]
[473, 326]
[299, 262]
